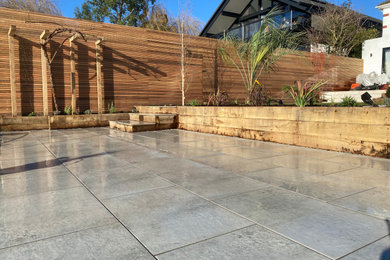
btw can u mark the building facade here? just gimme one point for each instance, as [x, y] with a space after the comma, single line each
[376, 52]
[242, 18]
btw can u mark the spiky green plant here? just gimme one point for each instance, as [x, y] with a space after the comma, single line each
[68, 110]
[111, 108]
[303, 93]
[260, 53]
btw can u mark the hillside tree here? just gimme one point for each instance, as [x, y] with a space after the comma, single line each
[39, 6]
[340, 29]
[124, 12]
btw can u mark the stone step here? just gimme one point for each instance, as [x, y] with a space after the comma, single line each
[154, 118]
[139, 126]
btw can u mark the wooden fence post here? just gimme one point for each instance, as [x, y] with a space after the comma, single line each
[11, 34]
[72, 72]
[99, 75]
[43, 37]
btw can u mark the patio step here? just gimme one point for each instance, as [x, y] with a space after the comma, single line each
[146, 122]
[131, 127]
[154, 118]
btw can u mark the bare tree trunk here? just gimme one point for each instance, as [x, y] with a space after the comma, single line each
[182, 65]
[51, 79]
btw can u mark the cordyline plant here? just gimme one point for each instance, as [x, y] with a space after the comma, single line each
[303, 93]
[260, 53]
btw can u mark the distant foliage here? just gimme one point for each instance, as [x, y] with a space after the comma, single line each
[125, 12]
[340, 29]
[158, 18]
[39, 6]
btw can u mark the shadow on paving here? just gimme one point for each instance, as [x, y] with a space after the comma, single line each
[386, 253]
[45, 164]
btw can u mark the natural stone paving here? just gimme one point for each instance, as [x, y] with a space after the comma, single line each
[99, 193]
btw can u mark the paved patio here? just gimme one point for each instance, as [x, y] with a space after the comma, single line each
[103, 194]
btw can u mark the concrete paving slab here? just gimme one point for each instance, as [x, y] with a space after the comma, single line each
[330, 230]
[86, 244]
[116, 182]
[380, 250]
[234, 164]
[307, 164]
[33, 217]
[328, 187]
[252, 242]
[374, 202]
[362, 161]
[165, 219]
[36, 181]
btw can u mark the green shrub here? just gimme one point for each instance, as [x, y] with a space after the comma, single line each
[348, 102]
[32, 114]
[68, 110]
[56, 112]
[88, 112]
[235, 102]
[194, 103]
[388, 92]
[111, 108]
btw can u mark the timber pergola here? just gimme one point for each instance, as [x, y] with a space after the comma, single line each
[44, 64]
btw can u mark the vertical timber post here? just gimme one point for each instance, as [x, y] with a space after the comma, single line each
[11, 34]
[72, 73]
[43, 37]
[99, 74]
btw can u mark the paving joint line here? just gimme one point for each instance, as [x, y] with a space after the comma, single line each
[250, 220]
[123, 225]
[206, 239]
[349, 195]
[362, 247]
[55, 236]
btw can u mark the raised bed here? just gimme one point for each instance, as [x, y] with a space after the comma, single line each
[363, 130]
[58, 122]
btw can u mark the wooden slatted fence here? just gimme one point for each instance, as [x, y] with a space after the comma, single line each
[139, 66]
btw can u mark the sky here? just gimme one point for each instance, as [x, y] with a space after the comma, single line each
[204, 9]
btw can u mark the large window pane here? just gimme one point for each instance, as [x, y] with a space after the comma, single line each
[386, 61]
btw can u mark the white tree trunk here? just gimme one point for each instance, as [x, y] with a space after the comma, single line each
[183, 97]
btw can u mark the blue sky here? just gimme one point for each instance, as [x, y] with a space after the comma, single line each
[203, 9]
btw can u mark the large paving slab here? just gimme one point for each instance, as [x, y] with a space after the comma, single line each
[37, 216]
[252, 242]
[105, 242]
[330, 230]
[165, 219]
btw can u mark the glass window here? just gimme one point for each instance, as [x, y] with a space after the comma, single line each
[386, 61]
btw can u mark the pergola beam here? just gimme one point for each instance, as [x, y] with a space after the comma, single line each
[98, 44]
[72, 72]
[43, 37]
[11, 36]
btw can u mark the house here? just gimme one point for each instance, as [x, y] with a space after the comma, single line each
[242, 18]
[376, 52]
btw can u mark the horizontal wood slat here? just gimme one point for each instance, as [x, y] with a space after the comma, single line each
[139, 66]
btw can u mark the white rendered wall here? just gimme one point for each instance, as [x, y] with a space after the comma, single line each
[372, 54]
[386, 20]
[373, 49]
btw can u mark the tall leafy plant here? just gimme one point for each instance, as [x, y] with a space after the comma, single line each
[303, 93]
[260, 53]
